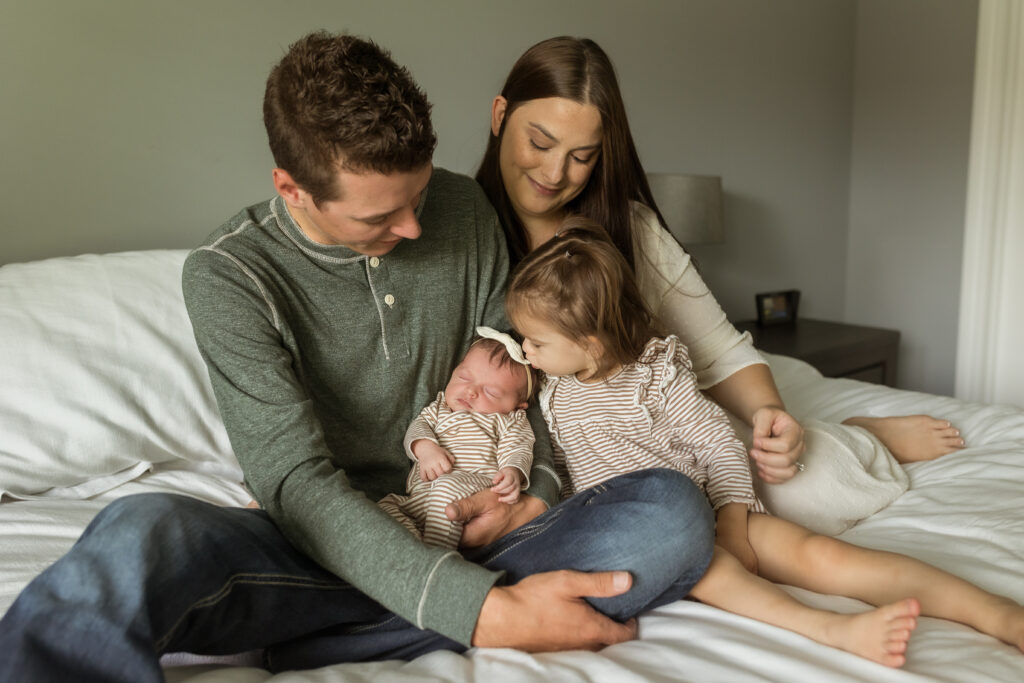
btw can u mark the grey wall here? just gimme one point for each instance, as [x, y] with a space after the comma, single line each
[131, 125]
[136, 125]
[913, 90]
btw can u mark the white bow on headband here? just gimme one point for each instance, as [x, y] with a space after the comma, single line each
[513, 348]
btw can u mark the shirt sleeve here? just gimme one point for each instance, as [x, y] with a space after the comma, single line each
[676, 293]
[703, 428]
[279, 442]
[515, 445]
[422, 428]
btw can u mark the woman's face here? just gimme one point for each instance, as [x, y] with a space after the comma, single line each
[548, 151]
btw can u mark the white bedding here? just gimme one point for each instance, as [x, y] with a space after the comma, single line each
[962, 513]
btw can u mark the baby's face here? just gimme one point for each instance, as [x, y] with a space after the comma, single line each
[484, 386]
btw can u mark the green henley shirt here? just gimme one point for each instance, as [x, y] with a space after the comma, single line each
[320, 357]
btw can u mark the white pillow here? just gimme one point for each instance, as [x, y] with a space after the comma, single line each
[100, 377]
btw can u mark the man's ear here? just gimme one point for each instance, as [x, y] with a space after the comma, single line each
[523, 406]
[498, 108]
[289, 190]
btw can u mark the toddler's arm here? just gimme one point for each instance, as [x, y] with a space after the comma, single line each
[731, 534]
[702, 425]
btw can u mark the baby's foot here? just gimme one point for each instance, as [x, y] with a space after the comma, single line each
[912, 438]
[880, 635]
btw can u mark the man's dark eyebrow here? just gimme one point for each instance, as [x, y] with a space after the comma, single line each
[545, 132]
[374, 218]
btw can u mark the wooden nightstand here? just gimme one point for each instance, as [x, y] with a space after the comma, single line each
[835, 349]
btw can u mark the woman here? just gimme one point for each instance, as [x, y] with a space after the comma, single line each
[560, 144]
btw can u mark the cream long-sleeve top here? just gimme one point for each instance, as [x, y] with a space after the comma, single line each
[649, 414]
[673, 289]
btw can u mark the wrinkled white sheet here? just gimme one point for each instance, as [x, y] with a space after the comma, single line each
[963, 513]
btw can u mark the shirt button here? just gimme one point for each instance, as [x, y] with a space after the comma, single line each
[389, 300]
[374, 261]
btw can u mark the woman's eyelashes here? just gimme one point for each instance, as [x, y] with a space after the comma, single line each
[579, 160]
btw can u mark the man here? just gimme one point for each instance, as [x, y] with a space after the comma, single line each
[328, 317]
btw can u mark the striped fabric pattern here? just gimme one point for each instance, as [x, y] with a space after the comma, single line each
[481, 444]
[649, 414]
[422, 511]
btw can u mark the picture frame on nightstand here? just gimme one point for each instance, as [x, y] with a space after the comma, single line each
[777, 308]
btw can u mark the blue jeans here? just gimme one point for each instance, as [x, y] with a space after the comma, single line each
[158, 573]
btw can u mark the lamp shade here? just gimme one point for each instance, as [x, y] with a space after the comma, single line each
[691, 205]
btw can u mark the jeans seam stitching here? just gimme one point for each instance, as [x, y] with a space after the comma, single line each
[247, 579]
[370, 627]
[526, 534]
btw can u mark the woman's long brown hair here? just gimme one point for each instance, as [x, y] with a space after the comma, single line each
[579, 70]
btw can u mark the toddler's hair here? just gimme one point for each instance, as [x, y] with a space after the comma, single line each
[499, 353]
[580, 283]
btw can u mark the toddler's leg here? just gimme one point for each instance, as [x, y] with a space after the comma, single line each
[790, 554]
[880, 635]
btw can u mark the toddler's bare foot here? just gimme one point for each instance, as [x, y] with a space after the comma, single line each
[880, 635]
[912, 438]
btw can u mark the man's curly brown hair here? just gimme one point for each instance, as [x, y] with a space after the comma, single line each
[340, 102]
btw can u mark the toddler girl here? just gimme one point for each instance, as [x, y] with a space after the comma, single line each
[618, 397]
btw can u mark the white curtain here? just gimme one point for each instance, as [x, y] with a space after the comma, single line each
[990, 343]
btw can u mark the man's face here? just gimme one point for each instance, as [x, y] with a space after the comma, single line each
[374, 211]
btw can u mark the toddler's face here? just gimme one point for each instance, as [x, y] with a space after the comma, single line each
[549, 350]
[484, 386]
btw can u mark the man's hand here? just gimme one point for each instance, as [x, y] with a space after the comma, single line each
[506, 484]
[434, 460]
[778, 444]
[486, 519]
[546, 613]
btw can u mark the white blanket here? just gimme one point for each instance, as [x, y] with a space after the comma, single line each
[962, 513]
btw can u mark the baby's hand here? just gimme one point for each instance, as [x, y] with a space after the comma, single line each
[507, 483]
[434, 460]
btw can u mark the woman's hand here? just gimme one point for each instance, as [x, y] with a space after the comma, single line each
[778, 443]
[486, 518]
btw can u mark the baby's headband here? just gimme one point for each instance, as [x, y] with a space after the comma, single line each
[513, 348]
